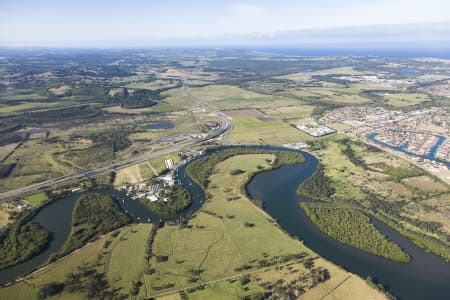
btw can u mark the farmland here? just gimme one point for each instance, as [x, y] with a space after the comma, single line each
[105, 117]
[217, 244]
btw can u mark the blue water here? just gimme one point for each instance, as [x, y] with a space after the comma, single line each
[431, 155]
[426, 276]
[160, 125]
[410, 72]
[395, 53]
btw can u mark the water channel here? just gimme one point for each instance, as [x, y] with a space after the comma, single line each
[424, 277]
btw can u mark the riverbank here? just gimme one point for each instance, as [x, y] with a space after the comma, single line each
[426, 274]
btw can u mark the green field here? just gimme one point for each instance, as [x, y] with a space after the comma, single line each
[36, 199]
[25, 106]
[219, 242]
[402, 99]
[227, 237]
[251, 130]
[122, 261]
[126, 262]
[226, 97]
[377, 182]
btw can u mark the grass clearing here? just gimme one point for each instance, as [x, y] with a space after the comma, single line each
[215, 245]
[36, 199]
[218, 241]
[123, 258]
[126, 261]
[26, 106]
[251, 130]
[218, 244]
[403, 99]
[6, 150]
[285, 112]
[226, 97]
[425, 183]
[146, 170]
[130, 174]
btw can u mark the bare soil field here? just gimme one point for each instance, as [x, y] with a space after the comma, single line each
[60, 90]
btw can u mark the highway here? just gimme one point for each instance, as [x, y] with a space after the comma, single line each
[225, 128]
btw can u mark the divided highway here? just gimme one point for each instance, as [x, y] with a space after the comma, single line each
[225, 127]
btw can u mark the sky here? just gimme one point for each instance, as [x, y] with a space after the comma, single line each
[127, 23]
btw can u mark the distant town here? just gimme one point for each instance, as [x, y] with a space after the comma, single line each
[413, 135]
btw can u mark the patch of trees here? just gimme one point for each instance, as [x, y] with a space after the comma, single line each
[62, 115]
[107, 143]
[178, 200]
[379, 287]
[93, 215]
[7, 127]
[430, 226]
[319, 275]
[397, 174]
[5, 170]
[233, 172]
[50, 289]
[353, 227]
[137, 98]
[249, 224]
[318, 186]
[87, 281]
[140, 98]
[200, 169]
[149, 249]
[11, 137]
[116, 138]
[22, 241]
[351, 155]
[376, 204]
[93, 92]
[271, 261]
[423, 241]
[294, 288]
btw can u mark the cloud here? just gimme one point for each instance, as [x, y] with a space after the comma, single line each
[247, 10]
[243, 18]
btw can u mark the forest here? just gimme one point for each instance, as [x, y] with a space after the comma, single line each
[22, 241]
[353, 227]
[178, 200]
[93, 215]
[317, 187]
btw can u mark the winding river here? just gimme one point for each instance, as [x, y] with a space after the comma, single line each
[425, 277]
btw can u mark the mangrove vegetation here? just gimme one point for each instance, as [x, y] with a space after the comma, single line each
[21, 242]
[94, 215]
[353, 227]
[178, 199]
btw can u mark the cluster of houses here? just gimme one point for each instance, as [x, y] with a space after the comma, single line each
[152, 191]
[314, 129]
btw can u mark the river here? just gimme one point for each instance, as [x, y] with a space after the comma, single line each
[424, 277]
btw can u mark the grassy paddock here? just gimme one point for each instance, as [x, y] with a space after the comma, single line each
[251, 130]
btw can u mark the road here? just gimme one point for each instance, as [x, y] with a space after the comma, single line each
[225, 128]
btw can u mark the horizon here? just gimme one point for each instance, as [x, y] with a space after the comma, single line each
[137, 24]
